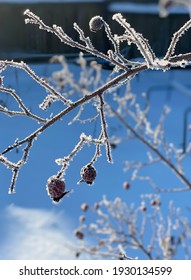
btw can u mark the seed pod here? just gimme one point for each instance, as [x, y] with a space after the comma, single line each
[88, 174]
[56, 188]
[96, 23]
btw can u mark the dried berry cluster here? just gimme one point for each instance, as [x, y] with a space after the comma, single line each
[56, 186]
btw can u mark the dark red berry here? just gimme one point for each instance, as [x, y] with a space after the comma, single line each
[79, 234]
[126, 185]
[56, 188]
[96, 23]
[155, 202]
[143, 208]
[88, 174]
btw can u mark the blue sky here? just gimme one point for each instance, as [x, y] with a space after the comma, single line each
[28, 218]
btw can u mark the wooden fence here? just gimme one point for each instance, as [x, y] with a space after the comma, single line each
[18, 39]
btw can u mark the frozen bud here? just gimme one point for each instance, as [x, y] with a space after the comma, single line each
[96, 23]
[126, 185]
[56, 188]
[79, 234]
[88, 174]
[84, 207]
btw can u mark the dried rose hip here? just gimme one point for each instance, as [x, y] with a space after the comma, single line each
[88, 174]
[96, 23]
[56, 188]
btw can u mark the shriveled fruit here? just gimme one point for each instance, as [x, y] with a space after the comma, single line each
[56, 188]
[88, 174]
[96, 23]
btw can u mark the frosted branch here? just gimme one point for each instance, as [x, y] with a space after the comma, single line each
[18, 166]
[58, 31]
[7, 162]
[125, 226]
[175, 39]
[154, 149]
[25, 110]
[133, 37]
[82, 37]
[104, 128]
[36, 78]
[66, 160]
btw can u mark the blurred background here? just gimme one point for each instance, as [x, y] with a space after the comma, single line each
[18, 40]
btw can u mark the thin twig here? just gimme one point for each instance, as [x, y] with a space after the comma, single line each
[75, 105]
[154, 149]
